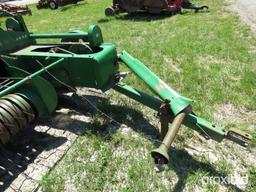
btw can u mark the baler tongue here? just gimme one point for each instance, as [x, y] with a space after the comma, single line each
[172, 108]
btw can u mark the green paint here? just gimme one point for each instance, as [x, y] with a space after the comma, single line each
[177, 102]
[192, 121]
[28, 78]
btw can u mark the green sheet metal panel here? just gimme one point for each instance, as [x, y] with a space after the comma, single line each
[11, 41]
[90, 70]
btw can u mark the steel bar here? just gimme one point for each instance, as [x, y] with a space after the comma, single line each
[29, 77]
[177, 104]
[160, 154]
[59, 35]
[207, 129]
[139, 96]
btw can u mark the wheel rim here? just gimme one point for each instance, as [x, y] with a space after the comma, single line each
[52, 5]
[109, 11]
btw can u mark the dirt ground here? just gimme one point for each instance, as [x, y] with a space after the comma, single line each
[247, 11]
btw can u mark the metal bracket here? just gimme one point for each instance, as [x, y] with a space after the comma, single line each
[238, 136]
[165, 117]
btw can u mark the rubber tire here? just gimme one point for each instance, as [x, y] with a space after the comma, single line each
[109, 11]
[53, 5]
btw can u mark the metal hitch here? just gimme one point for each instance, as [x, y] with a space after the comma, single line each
[239, 137]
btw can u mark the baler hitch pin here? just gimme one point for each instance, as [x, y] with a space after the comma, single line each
[238, 136]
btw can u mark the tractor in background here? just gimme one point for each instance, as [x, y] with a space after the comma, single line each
[54, 4]
[151, 6]
[23, 10]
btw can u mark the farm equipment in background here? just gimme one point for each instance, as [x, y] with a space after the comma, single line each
[186, 4]
[23, 10]
[151, 6]
[54, 4]
[33, 74]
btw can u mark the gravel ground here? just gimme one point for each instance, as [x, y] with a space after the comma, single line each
[247, 11]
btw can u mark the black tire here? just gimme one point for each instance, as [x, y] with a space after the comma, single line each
[38, 6]
[75, 1]
[53, 4]
[109, 11]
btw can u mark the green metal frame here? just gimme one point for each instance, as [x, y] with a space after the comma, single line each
[177, 102]
[207, 129]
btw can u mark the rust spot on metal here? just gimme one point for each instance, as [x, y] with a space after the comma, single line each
[239, 136]
[159, 87]
[241, 133]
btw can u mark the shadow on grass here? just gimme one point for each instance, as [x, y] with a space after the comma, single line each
[181, 162]
[138, 16]
[21, 152]
[142, 16]
[15, 158]
[69, 6]
[186, 165]
[123, 114]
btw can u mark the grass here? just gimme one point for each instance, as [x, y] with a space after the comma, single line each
[208, 57]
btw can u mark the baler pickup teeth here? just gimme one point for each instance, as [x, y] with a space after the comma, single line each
[239, 137]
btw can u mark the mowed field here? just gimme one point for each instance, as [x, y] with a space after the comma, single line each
[208, 57]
